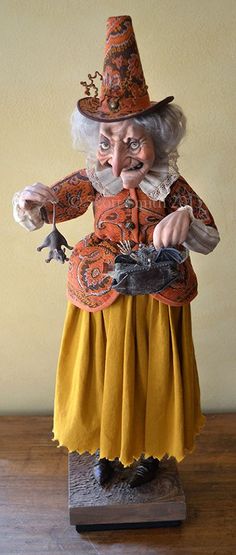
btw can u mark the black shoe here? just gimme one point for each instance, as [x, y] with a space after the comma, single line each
[103, 471]
[144, 472]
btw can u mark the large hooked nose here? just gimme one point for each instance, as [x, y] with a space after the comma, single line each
[119, 160]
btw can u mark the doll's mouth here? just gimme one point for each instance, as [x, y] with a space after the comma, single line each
[134, 168]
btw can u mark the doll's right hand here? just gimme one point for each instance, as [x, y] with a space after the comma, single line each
[36, 195]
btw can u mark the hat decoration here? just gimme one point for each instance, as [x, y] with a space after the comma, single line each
[124, 93]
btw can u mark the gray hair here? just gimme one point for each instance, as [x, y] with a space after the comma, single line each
[85, 133]
[167, 127]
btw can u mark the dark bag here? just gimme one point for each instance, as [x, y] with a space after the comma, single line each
[146, 270]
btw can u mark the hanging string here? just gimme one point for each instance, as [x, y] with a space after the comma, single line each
[54, 214]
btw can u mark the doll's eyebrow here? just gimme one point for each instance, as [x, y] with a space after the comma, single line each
[130, 139]
[103, 137]
[125, 141]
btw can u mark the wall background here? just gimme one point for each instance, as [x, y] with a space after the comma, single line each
[48, 47]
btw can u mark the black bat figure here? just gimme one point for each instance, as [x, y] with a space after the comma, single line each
[55, 241]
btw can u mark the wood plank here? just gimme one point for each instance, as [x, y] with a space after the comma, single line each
[161, 500]
[33, 497]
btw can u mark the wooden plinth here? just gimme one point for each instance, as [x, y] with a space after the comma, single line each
[115, 505]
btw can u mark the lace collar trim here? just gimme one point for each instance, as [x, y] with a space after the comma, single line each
[156, 183]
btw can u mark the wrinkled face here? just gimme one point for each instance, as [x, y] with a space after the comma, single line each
[127, 149]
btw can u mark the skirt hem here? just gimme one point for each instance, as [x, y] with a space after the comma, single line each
[129, 461]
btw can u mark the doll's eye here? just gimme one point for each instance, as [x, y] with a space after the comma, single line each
[104, 145]
[134, 145]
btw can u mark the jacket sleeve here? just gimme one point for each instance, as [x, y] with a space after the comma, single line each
[74, 193]
[203, 235]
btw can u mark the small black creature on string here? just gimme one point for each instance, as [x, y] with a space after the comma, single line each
[54, 241]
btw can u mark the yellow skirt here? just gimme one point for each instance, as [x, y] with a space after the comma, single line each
[127, 381]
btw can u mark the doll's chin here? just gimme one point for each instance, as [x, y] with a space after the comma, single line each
[130, 185]
[130, 181]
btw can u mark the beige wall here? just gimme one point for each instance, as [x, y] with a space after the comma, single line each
[48, 46]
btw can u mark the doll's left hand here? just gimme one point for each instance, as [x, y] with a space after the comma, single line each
[172, 230]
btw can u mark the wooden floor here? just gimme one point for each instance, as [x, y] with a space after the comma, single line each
[33, 497]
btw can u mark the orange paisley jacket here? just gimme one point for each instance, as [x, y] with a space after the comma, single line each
[130, 215]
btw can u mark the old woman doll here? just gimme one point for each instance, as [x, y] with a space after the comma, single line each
[127, 384]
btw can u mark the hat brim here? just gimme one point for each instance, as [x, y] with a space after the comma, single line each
[91, 108]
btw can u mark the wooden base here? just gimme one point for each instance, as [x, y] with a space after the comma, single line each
[115, 505]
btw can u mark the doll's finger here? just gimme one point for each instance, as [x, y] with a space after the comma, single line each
[28, 203]
[37, 195]
[175, 238]
[28, 200]
[157, 242]
[182, 238]
[158, 237]
[183, 232]
[48, 193]
[44, 190]
[167, 242]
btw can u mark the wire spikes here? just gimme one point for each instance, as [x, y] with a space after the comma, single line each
[125, 247]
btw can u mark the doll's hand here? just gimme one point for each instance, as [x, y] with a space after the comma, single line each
[35, 196]
[172, 230]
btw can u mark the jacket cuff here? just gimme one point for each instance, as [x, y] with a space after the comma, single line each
[201, 238]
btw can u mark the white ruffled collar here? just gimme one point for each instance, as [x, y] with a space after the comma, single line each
[156, 183]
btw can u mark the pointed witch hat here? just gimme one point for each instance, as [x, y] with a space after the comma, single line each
[123, 92]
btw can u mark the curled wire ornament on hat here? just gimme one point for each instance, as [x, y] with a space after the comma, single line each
[91, 85]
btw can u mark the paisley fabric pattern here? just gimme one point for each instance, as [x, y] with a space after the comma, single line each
[123, 77]
[88, 285]
[182, 195]
[114, 216]
[124, 92]
[128, 216]
[181, 291]
[74, 193]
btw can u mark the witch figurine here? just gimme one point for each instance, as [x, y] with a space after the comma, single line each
[127, 385]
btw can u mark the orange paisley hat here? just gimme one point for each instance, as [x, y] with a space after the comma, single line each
[124, 93]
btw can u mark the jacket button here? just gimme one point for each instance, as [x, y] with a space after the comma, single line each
[129, 225]
[129, 203]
